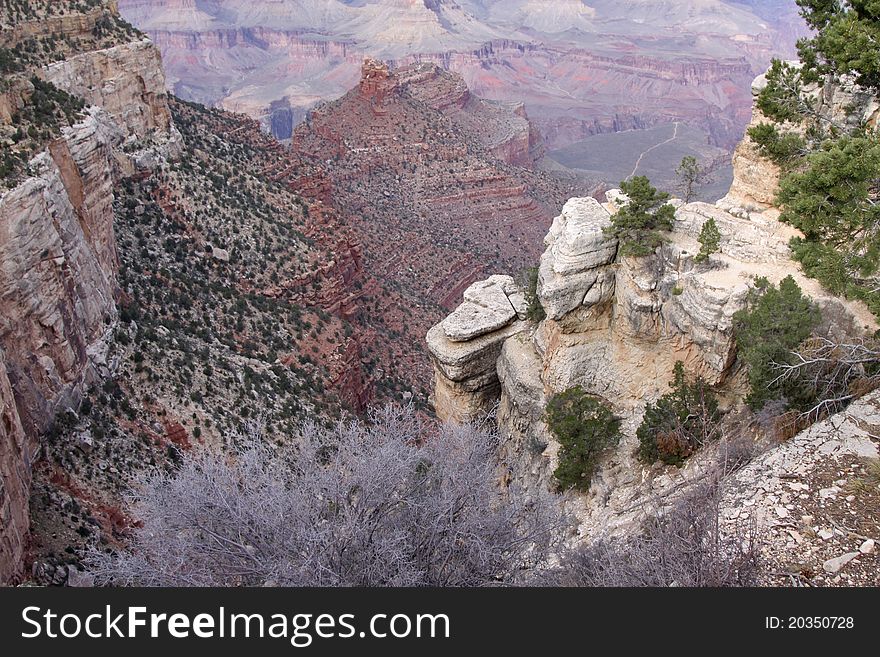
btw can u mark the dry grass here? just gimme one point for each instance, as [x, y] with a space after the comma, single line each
[870, 481]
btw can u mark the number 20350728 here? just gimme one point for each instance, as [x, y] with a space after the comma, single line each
[809, 623]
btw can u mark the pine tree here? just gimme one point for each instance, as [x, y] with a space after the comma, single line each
[639, 224]
[585, 429]
[690, 177]
[829, 187]
[847, 34]
[776, 321]
[710, 240]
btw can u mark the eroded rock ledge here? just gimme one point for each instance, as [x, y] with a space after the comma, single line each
[616, 327]
[466, 345]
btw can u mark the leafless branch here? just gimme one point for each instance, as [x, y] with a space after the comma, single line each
[394, 501]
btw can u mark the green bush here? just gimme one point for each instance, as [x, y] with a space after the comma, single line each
[710, 240]
[640, 223]
[535, 311]
[586, 429]
[774, 323]
[782, 148]
[681, 421]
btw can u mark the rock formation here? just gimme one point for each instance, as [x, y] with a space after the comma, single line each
[416, 159]
[616, 326]
[126, 81]
[467, 344]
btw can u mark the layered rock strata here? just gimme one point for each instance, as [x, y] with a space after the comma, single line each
[466, 345]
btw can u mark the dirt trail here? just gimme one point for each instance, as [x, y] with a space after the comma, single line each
[653, 148]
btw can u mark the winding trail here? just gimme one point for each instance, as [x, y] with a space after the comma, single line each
[653, 148]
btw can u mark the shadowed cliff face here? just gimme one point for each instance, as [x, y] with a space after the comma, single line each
[580, 68]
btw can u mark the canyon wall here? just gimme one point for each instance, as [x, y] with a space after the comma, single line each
[58, 259]
[579, 70]
[78, 24]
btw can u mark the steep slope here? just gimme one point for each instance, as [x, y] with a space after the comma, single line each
[230, 317]
[173, 275]
[158, 289]
[426, 199]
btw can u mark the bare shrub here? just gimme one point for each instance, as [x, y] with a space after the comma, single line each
[683, 547]
[735, 451]
[391, 502]
[831, 373]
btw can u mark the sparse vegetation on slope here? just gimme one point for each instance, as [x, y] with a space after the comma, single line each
[43, 112]
[776, 321]
[679, 547]
[680, 422]
[92, 26]
[221, 324]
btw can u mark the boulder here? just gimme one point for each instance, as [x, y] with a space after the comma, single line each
[486, 308]
[577, 256]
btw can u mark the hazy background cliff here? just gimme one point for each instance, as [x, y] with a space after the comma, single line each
[672, 76]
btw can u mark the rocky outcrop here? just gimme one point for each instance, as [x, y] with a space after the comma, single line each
[845, 103]
[58, 279]
[503, 129]
[126, 81]
[412, 164]
[755, 178]
[17, 453]
[466, 345]
[78, 24]
[57, 286]
[59, 268]
[616, 327]
[574, 269]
